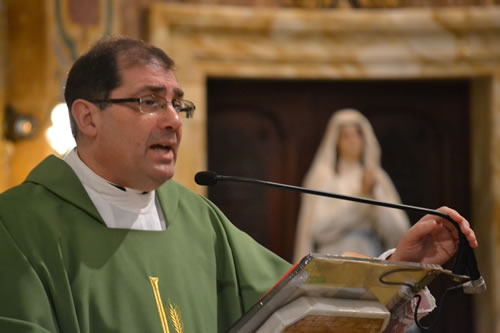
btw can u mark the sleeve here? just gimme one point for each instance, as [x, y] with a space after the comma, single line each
[403, 319]
[257, 268]
[24, 304]
[245, 270]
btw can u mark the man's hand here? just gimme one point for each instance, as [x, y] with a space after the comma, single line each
[433, 240]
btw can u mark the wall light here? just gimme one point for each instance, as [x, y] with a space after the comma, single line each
[59, 134]
[18, 126]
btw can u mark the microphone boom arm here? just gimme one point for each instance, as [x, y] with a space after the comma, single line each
[338, 196]
[465, 252]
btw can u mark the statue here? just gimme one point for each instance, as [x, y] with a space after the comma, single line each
[348, 162]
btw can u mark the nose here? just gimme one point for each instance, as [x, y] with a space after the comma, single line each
[169, 118]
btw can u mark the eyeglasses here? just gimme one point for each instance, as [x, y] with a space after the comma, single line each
[154, 104]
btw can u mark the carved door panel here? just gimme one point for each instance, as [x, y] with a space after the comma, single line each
[248, 142]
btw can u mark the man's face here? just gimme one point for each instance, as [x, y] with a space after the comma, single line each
[134, 149]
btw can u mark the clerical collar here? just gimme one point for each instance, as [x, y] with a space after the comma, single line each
[123, 197]
[119, 187]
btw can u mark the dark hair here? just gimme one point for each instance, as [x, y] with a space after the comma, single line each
[96, 73]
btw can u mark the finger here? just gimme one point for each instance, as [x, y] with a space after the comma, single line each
[471, 237]
[460, 219]
[466, 230]
[428, 217]
[448, 226]
[463, 224]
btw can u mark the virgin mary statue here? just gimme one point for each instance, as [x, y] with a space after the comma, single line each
[348, 162]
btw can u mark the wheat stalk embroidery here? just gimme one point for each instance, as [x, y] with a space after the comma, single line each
[175, 317]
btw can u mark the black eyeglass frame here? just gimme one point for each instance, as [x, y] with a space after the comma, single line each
[188, 110]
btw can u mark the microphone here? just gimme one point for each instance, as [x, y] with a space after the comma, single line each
[465, 262]
[206, 178]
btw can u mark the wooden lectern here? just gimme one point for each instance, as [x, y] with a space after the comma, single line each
[324, 293]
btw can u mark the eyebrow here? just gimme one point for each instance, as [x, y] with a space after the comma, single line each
[178, 92]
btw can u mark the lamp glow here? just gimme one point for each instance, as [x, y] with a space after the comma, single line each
[59, 134]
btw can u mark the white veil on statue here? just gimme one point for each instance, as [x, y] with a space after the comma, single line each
[332, 226]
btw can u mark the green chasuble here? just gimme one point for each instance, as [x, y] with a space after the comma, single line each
[63, 270]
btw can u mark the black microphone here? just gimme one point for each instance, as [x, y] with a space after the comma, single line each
[465, 262]
[206, 178]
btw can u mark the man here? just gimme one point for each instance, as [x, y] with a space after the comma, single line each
[105, 241]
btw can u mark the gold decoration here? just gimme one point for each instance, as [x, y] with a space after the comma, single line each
[344, 3]
[312, 3]
[159, 304]
[380, 3]
[173, 311]
[175, 317]
[319, 323]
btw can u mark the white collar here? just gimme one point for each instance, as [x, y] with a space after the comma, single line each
[119, 207]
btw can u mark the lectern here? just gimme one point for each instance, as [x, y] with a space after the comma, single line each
[324, 293]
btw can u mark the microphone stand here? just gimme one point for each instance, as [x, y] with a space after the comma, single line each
[465, 258]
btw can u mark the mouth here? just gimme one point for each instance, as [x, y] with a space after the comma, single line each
[161, 147]
[163, 151]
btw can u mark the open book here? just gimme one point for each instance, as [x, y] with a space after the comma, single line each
[393, 284]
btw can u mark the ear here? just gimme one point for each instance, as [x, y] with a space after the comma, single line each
[85, 114]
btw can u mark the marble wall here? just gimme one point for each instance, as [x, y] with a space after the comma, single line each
[339, 3]
[383, 44]
[4, 145]
[44, 38]
[3, 51]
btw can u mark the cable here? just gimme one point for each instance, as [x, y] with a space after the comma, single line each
[413, 288]
[440, 307]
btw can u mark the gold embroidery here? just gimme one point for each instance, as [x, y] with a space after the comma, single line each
[159, 304]
[173, 310]
[175, 316]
